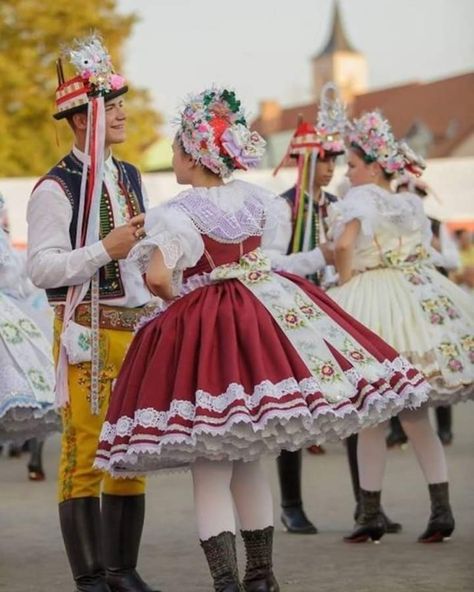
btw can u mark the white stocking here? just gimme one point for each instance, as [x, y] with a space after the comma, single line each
[252, 495]
[426, 444]
[371, 456]
[213, 498]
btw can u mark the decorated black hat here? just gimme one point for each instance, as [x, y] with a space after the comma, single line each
[94, 77]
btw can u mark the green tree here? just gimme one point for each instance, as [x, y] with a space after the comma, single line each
[32, 33]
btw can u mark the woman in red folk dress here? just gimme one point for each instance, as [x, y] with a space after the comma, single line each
[240, 361]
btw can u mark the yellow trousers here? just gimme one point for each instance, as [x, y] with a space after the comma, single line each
[81, 429]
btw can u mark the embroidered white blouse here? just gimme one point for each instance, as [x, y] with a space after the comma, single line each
[393, 226]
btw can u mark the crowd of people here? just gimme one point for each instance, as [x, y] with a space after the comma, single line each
[228, 324]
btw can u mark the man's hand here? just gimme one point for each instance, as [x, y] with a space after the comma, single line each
[138, 220]
[328, 252]
[121, 239]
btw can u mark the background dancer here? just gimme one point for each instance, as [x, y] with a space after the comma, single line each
[14, 282]
[26, 363]
[383, 245]
[300, 246]
[448, 261]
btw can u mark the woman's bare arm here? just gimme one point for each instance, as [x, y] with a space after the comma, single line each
[158, 277]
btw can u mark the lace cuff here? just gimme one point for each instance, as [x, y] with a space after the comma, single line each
[174, 234]
[169, 246]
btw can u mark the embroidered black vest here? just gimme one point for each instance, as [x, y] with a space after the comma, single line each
[290, 196]
[68, 173]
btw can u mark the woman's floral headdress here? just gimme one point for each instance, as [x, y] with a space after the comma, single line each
[373, 135]
[213, 130]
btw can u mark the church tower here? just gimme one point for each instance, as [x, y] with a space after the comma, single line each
[339, 62]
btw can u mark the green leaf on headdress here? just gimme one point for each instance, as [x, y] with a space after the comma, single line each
[208, 98]
[229, 97]
[228, 162]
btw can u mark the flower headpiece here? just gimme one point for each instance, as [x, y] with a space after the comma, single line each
[373, 135]
[214, 131]
[332, 120]
[414, 163]
[94, 77]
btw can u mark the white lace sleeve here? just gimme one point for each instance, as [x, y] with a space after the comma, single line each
[276, 241]
[358, 204]
[277, 230]
[174, 234]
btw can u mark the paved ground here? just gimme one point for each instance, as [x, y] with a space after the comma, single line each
[32, 556]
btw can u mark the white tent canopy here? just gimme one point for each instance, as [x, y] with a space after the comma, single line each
[452, 179]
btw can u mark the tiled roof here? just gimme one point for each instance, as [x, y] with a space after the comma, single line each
[444, 107]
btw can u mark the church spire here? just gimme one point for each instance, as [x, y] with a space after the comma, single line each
[338, 40]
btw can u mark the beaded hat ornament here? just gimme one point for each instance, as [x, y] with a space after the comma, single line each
[331, 124]
[94, 77]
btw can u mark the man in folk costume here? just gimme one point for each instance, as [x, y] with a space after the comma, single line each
[300, 247]
[84, 216]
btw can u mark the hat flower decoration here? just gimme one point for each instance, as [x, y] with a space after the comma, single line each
[373, 135]
[214, 131]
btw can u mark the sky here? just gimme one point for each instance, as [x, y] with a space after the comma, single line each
[262, 48]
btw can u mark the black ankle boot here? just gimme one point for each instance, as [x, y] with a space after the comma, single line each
[444, 421]
[441, 523]
[396, 436]
[122, 525]
[391, 527]
[292, 513]
[222, 560]
[80, 527]
[35, 464]
[259, 567]
[370, 523]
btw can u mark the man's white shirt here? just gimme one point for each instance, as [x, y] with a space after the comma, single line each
[53, 263]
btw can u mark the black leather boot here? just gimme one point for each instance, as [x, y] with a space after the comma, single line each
[441, 523]
[396, 436]
[292, 513]
[122, 526]
[35, 464]
[444, 421]
[370, 523]
[80, 527]
[222, 560]
[351, 447]
[259, 575]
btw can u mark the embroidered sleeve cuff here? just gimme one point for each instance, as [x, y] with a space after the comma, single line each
[98, 254]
